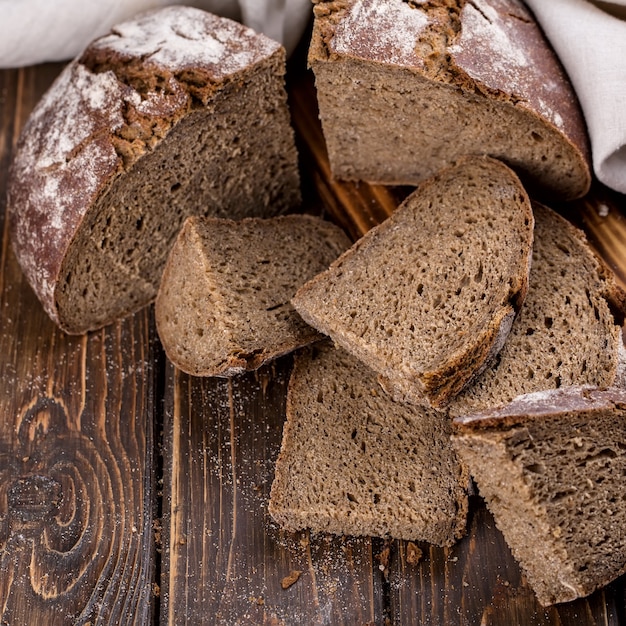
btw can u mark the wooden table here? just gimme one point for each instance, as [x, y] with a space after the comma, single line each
[132, 493]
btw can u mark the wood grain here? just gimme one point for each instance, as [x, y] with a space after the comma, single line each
[225, 559]
[76, 445]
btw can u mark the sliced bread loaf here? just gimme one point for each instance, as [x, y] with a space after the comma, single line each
[427, 298]
[224, 301]
[174, 113]
[404, 88]
[551, 467]
[355, 462]
[569, 330]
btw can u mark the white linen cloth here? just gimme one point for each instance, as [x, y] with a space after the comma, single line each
[590, 40]
[34, 31]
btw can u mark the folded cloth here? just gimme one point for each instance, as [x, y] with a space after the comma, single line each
[35, 31]
[590, 40]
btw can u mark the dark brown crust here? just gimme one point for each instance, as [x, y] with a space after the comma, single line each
[43, 224]
[543, 405]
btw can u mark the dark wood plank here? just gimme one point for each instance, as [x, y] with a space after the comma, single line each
[477, 581]
[76, 445]
[224, 558]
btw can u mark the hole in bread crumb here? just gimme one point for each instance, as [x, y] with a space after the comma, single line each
[535, 468]
[479, 273]
[175, 187]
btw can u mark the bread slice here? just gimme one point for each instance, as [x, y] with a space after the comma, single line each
[355, 462]
[551, 467]
[405, 88]
[175, 113]
[427, 297]
[568, 332]
[223, 304]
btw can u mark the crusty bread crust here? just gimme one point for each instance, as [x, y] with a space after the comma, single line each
[129, 109]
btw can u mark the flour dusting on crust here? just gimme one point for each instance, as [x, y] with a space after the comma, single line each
[62, 161]
[501, 46]
[182, 37]
[384, 31]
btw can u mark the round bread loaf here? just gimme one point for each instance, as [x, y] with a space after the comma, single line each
[175, 113]
[405, 88]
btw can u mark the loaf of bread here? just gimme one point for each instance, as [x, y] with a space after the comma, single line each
[223, 306]
[551, 467]
[404, 88]
[428, 297]
[568, 332]
[355, 462]
[175, 113]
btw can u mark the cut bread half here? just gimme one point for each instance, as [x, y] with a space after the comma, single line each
[406, 88]
[174, 113]
[551, 468]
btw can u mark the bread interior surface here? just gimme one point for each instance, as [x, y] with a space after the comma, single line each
[355, 462]
[556, 488]
[369, 110]
[224, 301]
[565, 333]
[232, 158]
[429, 294]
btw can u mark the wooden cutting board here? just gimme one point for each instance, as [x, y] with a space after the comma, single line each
[131, 493]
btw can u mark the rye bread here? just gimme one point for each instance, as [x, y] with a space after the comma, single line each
[569, 330]
[174, 113]
[223, 306]
[404, 88]
[428, 297]
[551, 468]
[355, 462]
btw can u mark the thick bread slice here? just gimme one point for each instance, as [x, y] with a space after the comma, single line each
[177, 112]
[427, 297]
[405, 88]
[355, 462]
[551, 467]
[223, 304]
[568, 332]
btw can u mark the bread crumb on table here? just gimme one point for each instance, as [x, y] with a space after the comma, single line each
[290, 579]
[414, 554]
